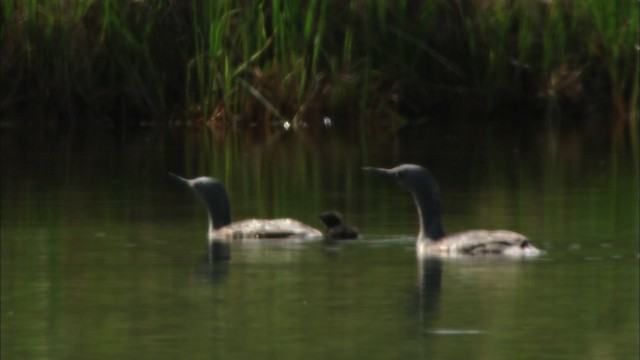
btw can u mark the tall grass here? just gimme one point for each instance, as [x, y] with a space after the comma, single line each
[73, 59]
[231, 63]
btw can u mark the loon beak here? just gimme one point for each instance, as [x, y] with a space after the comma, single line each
[181, 179]
[385, 173]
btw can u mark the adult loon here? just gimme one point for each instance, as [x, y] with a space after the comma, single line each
[215, 198]
[336, 229]
[431, 238]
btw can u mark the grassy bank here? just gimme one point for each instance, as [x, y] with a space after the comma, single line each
[237, 63]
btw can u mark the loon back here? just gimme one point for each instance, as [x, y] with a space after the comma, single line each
[265, 229]
[480, 242]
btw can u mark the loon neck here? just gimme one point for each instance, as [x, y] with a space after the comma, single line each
[219, 215]
[428, 204]
[215, 198]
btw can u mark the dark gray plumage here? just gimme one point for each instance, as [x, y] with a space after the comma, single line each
[336, 229]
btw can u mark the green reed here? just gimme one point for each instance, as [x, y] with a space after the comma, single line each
[242, 62]
[71, 60]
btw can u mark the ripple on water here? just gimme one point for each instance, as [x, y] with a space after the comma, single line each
[455, 332]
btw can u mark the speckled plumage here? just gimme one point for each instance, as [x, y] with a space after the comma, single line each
[266, 229]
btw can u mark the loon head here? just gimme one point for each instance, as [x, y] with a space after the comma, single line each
[411, 177]
[426, 195]
[331, 219]
[215, 198]
[336, 228]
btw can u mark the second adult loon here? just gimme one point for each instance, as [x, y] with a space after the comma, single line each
[432, 239]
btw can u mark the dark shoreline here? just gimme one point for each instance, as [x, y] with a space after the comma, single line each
[246, 65]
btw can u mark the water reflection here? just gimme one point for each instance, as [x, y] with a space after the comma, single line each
[219, 251]
[99, 250]
[488, 288]
[218, 273]
[429, 289]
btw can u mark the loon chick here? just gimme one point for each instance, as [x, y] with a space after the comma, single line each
[215, 198]
[336, 229]
[431, 238]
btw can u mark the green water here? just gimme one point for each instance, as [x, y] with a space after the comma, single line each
[103, 254]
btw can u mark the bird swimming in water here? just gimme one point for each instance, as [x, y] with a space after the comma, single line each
[215, 198]
[336, 229]
[432, 239]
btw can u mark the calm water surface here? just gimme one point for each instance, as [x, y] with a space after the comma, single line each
[103, 255]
